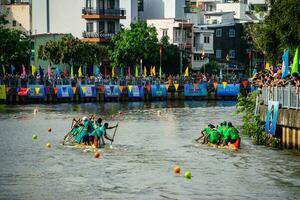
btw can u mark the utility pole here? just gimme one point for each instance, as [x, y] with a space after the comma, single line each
[181, 45]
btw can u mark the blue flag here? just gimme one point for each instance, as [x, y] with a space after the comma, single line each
[221, 75]
[122, 71]
[97, 71]
[285, 67]
[57, 71]
[41, 71]
[12, 68]
[254, 72]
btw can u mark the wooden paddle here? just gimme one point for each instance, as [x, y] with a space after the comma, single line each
[114, 135]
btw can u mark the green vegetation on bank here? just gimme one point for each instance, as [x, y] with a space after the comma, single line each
[278, 31]
[252, 125]
[14, 45]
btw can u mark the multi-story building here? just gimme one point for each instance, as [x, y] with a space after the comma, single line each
[19, 14]
[160, 9]
[203, 47]
[131, 7]
[178, 31]
[102, 20]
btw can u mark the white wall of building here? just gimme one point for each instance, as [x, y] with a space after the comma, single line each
[20, 14]
[159, 9]
[131, 7]
[239, 9]
[162, 25]
[65, 17]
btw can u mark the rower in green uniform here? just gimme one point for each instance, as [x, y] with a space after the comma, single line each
[222, 128]
[101, 133]
[204, 134]
[214, 137]
[96, 125]
[234, 133]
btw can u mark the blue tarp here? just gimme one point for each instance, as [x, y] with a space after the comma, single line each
[112, 91]
[87, 91]
[158, 91]
[64, 91]
[136, 91]
[195, 90]
[36, 91]
[229, 90]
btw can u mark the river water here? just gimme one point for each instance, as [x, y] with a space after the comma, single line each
[152, 138]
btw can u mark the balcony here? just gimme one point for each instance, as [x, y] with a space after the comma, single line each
[91, 13]
[96, 37]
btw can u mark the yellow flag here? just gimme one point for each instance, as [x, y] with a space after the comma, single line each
[113, 72]
[83, 89]
[153, 71]
[224, 84]
[79, 72]
[130, 88]
[186, 71]
[268, 66]
[33, 70]
[145, 71]
[176, 86]
[37, 90]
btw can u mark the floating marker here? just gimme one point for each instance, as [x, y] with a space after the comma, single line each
[188, 175]
[49, 130]
[177, 170]
[34, 137]
[49, 145]
[97, 154]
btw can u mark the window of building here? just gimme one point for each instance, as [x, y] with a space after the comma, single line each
[111, 27]
[196, 57]
[214, 21]
[90, 27]
[88, 3]
[164, 32]
[231, 32]
[111, 4]
[219, 53]
[219, 33]
[231, 53]
[14, 23]
[101, 27]
[206, 39]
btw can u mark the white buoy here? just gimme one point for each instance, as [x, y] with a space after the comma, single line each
[158, 113]
[35, 111]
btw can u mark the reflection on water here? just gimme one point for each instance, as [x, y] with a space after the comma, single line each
[151, 139]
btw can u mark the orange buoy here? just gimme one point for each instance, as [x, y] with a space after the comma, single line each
[177, 170]
[49, 130]
[97, 154]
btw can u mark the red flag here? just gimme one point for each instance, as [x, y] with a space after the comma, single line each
[129, 74]
[65, 72]
[161, 51]
[105, 71]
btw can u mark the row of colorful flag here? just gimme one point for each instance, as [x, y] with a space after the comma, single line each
[97, 72]
[285, 64]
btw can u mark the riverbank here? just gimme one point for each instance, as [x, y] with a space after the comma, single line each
[111, 93]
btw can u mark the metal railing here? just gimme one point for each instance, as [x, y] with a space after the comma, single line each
[288, 97]
[86, 34]
[110, 12]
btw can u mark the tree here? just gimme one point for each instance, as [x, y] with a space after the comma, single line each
[72, 51]
[129, 46]
[14, 45]
[51, 51]
[170, 57]
[280, 29]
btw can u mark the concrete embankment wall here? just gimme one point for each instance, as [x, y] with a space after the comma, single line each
[288, 126]
[13, 98]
